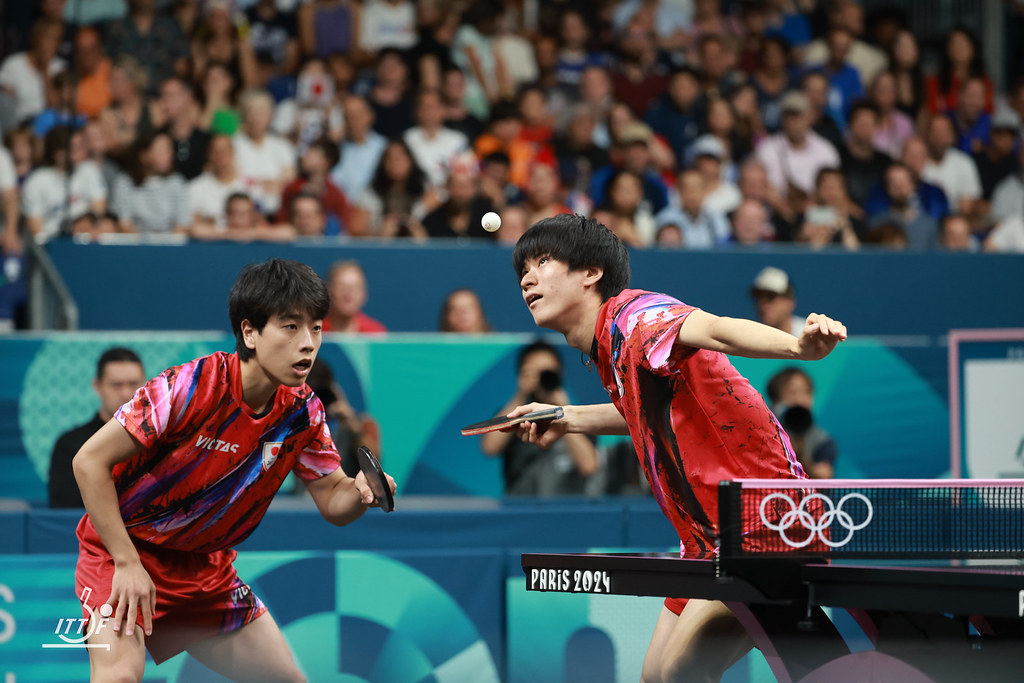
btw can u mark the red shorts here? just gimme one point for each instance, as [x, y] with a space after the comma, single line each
[198, 595]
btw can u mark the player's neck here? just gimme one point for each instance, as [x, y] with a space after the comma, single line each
[258, 388]
[580, 333]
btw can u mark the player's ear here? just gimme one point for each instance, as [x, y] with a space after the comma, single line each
[593, 275]
[249, 334]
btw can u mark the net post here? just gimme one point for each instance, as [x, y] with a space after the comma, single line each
[730, 523]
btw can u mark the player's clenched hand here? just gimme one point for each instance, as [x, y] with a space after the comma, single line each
[820, 335]
[132, 590]
[366, 494]
[541, 433]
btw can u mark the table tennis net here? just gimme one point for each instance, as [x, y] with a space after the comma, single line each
[871, 519]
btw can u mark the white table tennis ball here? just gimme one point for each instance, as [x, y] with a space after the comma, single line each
[491, 221]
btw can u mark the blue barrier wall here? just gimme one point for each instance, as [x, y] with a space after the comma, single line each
[874, 293]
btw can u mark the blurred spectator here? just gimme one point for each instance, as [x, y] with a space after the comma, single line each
[639, 76]
[96, 151]
[10, 206]
[456, 116]
[314, 178]
[537, 128]
[632, 153]
[494, 181]
[92, 72]
[23, 75]
[327, 26]
[845, 86]
[1008, 196]
[905, 62]
[313, 112]
[750, 224]
[397, 199]
[389, 95]
[543, 189]
[998, 160]
[243, 223]
[180, 112]
[361, 148]
[677, 114]
[930, 198]
[130, 114]
[709, 19]
[151, 37]
[473, 51]
[887, 234]
[848, 17]
[772, 79]
[434, 147]
[722, 126]
[119, 373]
[151, 196]
[831, 190]
[387, 23]
[20, 143]
[574, 53]
[717, 58]
[863, 165]
[459, 215]
[60, 111]
[669, 23]
[949, 168]
[208, 194]
[708, 154]
[816, 87]
[753, 184]
[970, 120]
[791, 395]
[54, 10]
[961, 61]
[919, 228]
[893, 126]
[701, 227]
[307, 215]
[624, 211]
[955, 234]
[775, 300]
[218, 37]
[266, 160]
[578, 156]
[823, 226]
[274, 40]
[52, 202]
[462, 313]
[793, 157]
[784, 18]
[518, 55]
[347, 285]
[1007, 236]
[669, 236]
[514, 222]
[529, 469]
[596, 96]
[219, 114]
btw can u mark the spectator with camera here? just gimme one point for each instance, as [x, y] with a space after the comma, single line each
[791, 397]
[567, 467]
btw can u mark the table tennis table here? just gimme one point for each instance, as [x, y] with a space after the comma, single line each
[930, 574]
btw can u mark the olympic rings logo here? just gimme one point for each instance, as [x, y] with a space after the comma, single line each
[800, 514]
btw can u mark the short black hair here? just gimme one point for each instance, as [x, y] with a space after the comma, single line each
[860, 106]
[781, 378]
[579, 242]
[115, 354]
[539, 346]
[275, 287]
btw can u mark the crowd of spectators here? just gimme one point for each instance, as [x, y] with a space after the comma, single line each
[678, 123]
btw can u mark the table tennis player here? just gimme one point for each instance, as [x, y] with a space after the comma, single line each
[693, 419]
[185, 471]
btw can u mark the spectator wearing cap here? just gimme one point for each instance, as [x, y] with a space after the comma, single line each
[949, 168]
[701, 227]
[794, 156]
[775, 300]
[677, 113]
[863, 165]
[998, 160]
[707, 154]
[632, 153]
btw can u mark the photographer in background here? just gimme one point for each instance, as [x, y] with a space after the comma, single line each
[569, 465]
[791, 398]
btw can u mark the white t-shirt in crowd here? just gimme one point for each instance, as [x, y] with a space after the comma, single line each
[272, 159]
[1008, 235]
[45, 191]
[956, 174]
[434, 155]
[8, 176]
[28, 85]
[208, 196]
[383, 24]
[799, 166]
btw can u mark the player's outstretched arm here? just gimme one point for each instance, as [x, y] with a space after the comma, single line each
[739, 337]
[603, 418]
[131, 588]
[342, 499]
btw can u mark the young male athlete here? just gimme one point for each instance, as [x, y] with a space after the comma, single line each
[694, 420]
[185, 471]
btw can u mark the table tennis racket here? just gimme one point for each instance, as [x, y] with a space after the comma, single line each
[375, 478]
[501, 422]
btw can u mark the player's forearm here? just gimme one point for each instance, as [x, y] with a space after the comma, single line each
[603, 418]
[100, 498]
[345, 505]
[739, 337]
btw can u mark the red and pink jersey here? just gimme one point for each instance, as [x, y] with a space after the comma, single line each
[694, 420]
[209, 466]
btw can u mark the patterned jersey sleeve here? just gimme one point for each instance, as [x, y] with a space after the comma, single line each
[650, 324]
[147, 415]
[319, 457]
